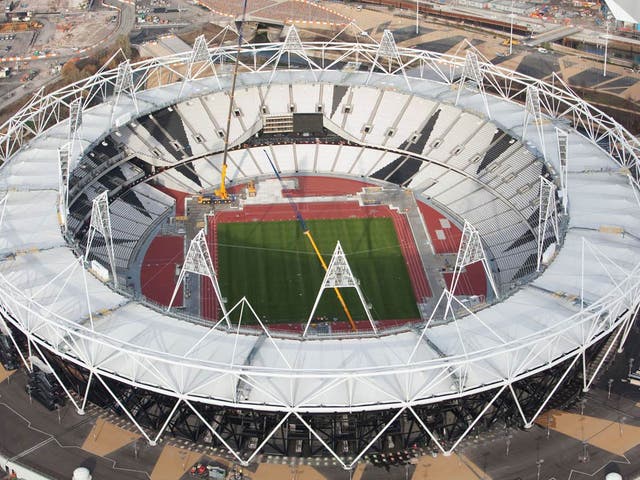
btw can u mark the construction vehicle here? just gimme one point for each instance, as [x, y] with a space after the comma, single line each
[505, 42]
[214, 198]
[251, 188]
[221, 192]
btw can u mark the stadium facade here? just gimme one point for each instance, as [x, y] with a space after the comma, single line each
[547, 181]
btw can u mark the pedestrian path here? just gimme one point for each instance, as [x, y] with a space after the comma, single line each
[270, 471]
[4, 374]
[452, 467]
[106, 437]
[613, 437]
[173, 463]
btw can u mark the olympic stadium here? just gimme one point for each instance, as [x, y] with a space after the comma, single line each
[514, 216]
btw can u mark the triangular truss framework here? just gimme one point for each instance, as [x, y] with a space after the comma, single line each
[292, 45]
[562, 138]
[124, 85]
[63, 185]
[473, 77]
[199, 54]
[547, 215]
[74, 133]
[339, 275]
[101, 223]
[387, 52]
[198, 261]
[240, 307]
[533, 112]
[453, 305]
[199, 61]
[68, 155]
[470, 252]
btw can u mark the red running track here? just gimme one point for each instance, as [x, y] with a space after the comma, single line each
[411, 255]
[325, 186]
[158, 272]
[433, 219]
[472, 281]
[309, 210]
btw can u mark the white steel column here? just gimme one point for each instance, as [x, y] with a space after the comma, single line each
[268, 437]
[63, 186]
[199, 54]
[8, 332]
[606, 47]
[321, 440]
[74, 134]
[86, 394]
[562, 138]
[124, 86]
[198, 261]
[547, 215]
[553, 391]
[101, 223]
[473, 77]
[53, 372]
[215, 433]
[3, 207]
[589, 381]
[426, 429]
[511, 15]
[339, 275]
[473, 424]
[627, 328]
[166, 422]
[533, 112]
[124, 409]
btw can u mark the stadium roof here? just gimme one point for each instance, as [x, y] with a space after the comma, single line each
[625, 10]
[541, 312]
[591, 288]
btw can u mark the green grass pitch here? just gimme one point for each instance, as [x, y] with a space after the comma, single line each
[274, 266]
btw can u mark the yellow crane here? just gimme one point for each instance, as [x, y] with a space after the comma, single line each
[221, 192]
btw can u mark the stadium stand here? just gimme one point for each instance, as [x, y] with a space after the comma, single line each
[477, 171]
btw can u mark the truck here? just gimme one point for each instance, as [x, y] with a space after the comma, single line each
[212, 198]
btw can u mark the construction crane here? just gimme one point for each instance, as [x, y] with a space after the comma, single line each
[221, 193]
[307, 233]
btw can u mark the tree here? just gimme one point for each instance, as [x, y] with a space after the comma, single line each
[70, 72]
[88, 70]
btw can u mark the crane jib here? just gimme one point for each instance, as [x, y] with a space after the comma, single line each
[299, 216]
